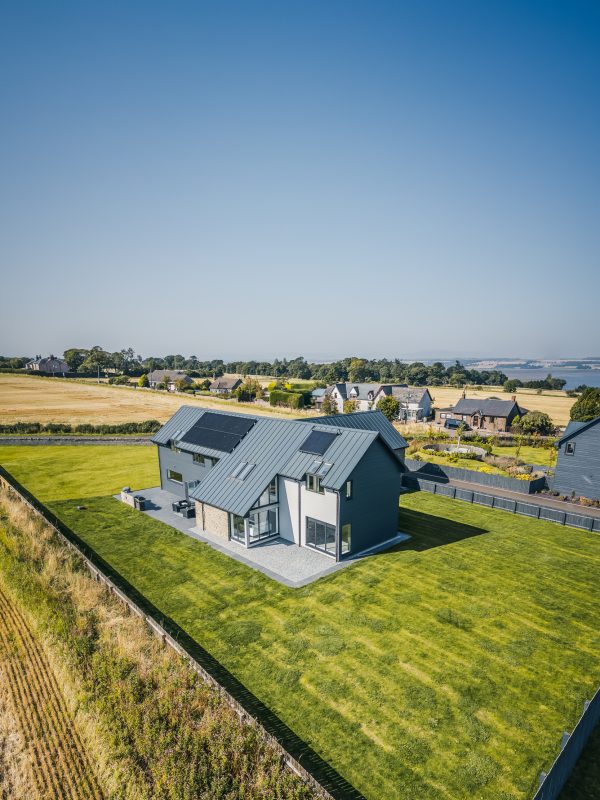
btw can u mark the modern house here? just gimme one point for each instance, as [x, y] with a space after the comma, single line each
[578, 464]
[364, 394]
[225, 385]
[173, 376]
[491, 414]
[50, 364]
[414, 402]
[330, 483]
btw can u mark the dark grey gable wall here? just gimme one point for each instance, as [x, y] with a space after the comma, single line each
[373, 509]
[180, 462]
[580, 473]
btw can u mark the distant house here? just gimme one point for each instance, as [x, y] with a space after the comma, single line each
[578, 464]
[50, 364]
[330, 483]
[414, 402]
[489, 415]
[173, 376]
[318, 395]
[362, 393]
[225, 385]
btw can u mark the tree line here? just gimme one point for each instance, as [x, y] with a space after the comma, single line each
[354, 370]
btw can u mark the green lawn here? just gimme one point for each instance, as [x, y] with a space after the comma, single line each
[57, 472]
[446, 668]
[542, 456]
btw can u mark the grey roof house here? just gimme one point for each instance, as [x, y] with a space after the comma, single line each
[363, 393]
[330, 483]
[225, 385]
[414, 402]
[490, 414]
[50, 364]
[157, 376]
[578, 464]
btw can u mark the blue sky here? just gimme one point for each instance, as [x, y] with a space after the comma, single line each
[262, 179]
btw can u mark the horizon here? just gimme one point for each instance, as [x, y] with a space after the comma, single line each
[318, 178]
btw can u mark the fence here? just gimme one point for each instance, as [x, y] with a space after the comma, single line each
[424, 469]
[552, 783]
[525, 508]
[296, 754]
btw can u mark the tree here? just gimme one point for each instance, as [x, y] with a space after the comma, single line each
[587, 406]
[181, 384]
[350, 406]
[357, 372]
[329, 406]
[75, 357]
[389, 406]
[459, 432]
[510, 386]
[143, 381]
[537, 422]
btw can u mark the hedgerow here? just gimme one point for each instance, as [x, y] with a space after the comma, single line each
[148, 426]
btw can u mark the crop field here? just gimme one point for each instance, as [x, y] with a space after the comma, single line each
[556, 404]
[24, 398]
[445, 668]
[57, 763]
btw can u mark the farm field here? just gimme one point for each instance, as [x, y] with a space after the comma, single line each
[51, 760]
[556, 404]
[24, 398]
[446, 668]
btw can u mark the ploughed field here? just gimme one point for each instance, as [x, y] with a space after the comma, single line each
[448, 667]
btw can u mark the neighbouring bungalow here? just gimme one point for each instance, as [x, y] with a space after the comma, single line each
[491, 415]
[414, 402]
[225, 385]
[50, 364]
[329, 483]
[317, 397]
[578, 464]
[173, 376]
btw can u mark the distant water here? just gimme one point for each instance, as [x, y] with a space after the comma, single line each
[573, 377]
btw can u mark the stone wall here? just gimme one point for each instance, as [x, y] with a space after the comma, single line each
[214, 520]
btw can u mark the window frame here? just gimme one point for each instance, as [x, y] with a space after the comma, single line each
[348, 526]
[317, 480]
[171, 472]
[349, 489]
[329, 533]
[570, 448]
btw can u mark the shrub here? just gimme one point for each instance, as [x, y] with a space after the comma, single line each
[143, 381]
[119, 380]
[289, 399]
[148, 426]
[389, 406]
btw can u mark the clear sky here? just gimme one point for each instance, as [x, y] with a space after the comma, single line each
[261, 179]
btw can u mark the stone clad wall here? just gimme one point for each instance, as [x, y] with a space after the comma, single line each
[213, 520]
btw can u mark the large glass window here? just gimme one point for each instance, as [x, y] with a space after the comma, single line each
[262, 524]
[346, 538]
[269, 496]
[313, 484]
[320, 535]
[237, 528]
[176, 477]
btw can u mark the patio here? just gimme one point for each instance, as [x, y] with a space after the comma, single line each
[277, 558]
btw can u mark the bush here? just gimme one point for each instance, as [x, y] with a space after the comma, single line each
[148, 426]
[587, 407]
[537, 422]
[143, 381]
[119, 380]
[289, 399]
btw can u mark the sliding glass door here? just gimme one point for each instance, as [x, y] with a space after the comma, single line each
[262, 525]
[320, 535]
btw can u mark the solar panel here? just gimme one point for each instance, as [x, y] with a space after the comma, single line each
[218, 431]
[317, 442]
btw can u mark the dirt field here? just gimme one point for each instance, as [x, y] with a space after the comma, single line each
[44, 758]
[24, 399]
[556, 404]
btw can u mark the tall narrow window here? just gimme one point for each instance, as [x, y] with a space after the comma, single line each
[346, 538]
[348, 490]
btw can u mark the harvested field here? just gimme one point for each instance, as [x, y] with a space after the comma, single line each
[53, 762]
[24, 398]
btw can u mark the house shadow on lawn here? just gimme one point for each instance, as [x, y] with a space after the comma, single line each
[428, 531]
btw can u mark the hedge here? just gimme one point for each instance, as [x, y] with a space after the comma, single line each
[290, 399]
[148, 426]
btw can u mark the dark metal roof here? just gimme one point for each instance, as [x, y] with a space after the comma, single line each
[367, 421]
[574, 428]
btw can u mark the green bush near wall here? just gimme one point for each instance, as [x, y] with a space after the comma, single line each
[148, 426]
[289, 399]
